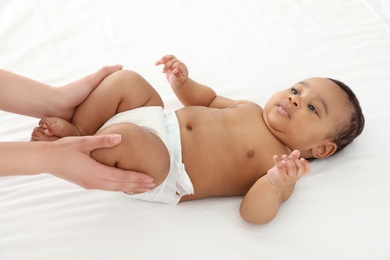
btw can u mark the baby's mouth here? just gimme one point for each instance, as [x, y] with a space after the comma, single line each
[283, 110]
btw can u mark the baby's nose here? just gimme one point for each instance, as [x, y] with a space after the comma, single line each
[294, 100]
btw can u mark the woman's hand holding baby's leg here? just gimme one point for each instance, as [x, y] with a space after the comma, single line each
[139, 150]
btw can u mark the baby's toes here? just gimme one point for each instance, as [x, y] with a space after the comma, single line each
[51, 126]
[47, 122]
[37, 134]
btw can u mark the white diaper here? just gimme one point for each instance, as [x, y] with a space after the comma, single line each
[165, 126]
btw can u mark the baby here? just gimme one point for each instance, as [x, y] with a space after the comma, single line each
[214, 146]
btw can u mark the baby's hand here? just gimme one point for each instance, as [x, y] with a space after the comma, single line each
[175, 70]
[287, 169]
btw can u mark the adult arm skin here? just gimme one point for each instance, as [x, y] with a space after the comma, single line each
[68, 158]
[25, 96]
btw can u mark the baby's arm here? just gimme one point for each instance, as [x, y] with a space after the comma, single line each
[261, 204]
[188, 91]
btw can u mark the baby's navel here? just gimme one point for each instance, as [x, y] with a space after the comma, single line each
[189, 127]
[250, 154]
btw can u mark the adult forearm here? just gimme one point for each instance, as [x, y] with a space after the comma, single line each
[22, 158]
[69, 159]
[262, 202]
[25, 96]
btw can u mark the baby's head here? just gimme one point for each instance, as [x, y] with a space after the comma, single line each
[318, 116]
[352, 128]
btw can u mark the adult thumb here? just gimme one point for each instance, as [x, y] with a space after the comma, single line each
[103, 141]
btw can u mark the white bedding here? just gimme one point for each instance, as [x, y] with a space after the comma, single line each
[245, 50]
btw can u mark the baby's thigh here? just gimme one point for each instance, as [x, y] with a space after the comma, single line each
[139, 150]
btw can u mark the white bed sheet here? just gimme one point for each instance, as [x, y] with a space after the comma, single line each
[246, 50]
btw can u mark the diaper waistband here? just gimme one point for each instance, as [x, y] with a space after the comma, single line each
[183, 183]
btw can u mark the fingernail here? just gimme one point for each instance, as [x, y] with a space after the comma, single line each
[116, 138]
[149, 180]
[150, 185]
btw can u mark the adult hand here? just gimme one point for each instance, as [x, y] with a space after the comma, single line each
[28, 97]
[71, 95]
[69, 159]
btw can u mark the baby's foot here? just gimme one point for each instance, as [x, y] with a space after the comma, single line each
[53, 128]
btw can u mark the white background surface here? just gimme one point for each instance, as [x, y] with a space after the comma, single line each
[244, 50]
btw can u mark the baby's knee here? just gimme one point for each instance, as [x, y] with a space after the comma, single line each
[127, 76]
[140, 150]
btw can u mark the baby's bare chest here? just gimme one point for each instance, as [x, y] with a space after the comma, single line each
[227, 153]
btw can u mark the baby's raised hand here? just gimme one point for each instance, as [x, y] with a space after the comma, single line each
[287, 169]
[175, 70]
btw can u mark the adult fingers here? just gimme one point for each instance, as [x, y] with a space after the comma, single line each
[95, 78]
[114, 179]
[90, 143]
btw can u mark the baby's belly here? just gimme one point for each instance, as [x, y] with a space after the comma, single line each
[216, 166]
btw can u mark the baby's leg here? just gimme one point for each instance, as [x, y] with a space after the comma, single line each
[118, 92]
[139, 150]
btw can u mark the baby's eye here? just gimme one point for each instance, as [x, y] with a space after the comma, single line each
[294, 91]
[312, 108]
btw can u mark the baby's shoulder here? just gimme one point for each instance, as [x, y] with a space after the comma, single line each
[245, 104]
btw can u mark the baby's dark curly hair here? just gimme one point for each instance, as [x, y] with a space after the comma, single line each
[352, 129]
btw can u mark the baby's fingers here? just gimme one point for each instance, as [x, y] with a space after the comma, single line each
[280, 165]
[295, 154]
[306, 165]
[289, 164]
[302, 167]
[294, 166]
[165, 59]
[169, 64]
[173, 65]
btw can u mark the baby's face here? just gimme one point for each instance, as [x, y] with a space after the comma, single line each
[308, 113]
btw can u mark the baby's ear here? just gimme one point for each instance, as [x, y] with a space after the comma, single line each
[324, 150]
